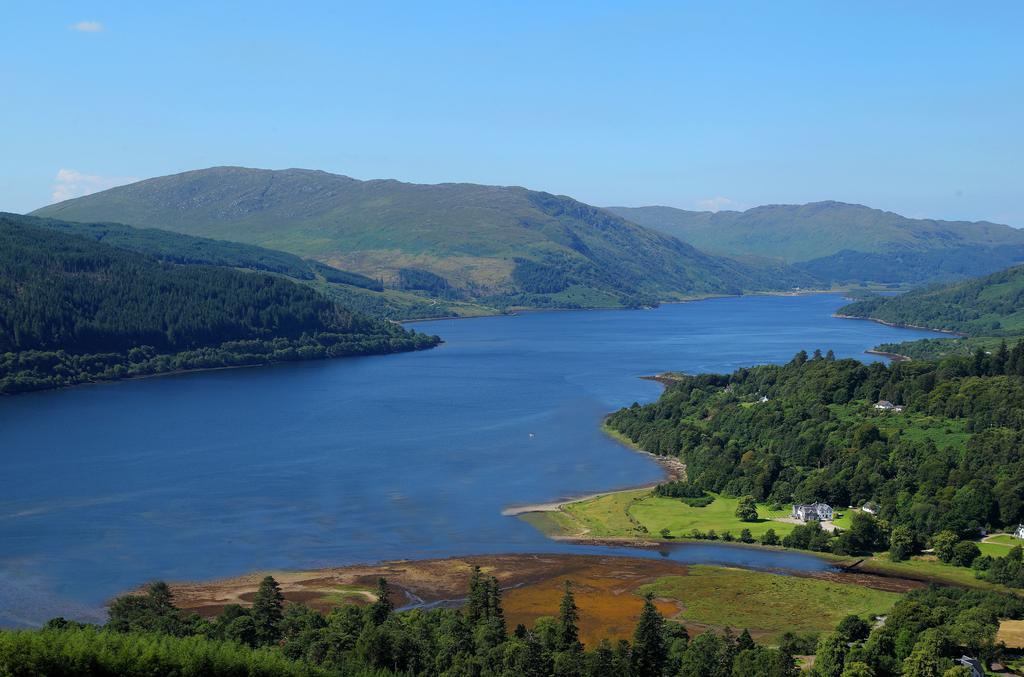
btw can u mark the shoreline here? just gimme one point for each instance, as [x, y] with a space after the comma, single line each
[895, 357]
[197, 370]
[674, 469]
[513, 311]
[897, 325]
[557, 505]
[426, 583]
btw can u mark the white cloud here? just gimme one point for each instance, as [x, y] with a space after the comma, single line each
[87, 27]
[70, 183]
[714, 204]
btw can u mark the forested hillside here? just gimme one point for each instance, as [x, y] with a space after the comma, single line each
[989, 306]
[951, 461]
[185, 249]
[841, 243]
[74, 310]
[986, 310]
[352, 290]
[504, 246]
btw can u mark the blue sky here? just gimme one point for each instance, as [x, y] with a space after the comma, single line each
[913, 107]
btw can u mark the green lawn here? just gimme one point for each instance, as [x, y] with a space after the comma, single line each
[606, 516]
[553, 523]
[619, 515]
[846, 521]
[767, 603]
[999, 545]
[680, 519]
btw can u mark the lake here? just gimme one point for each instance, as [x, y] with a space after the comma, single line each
[317, 464]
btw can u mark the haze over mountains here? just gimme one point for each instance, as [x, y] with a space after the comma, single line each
[841, 243]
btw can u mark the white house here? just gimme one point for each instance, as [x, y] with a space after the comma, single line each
[972, 664]
[886, 405]
[1019, 531]
[764, 398]
[812, 512]
[870, 508]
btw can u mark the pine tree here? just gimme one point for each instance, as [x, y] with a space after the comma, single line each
[267, 611]
[382, 607]
[495, 613]
[649, 650]
[568, 620]
[745, 641]
[476, 603]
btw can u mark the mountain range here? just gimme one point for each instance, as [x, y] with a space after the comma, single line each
[462, 246]
[840, 243]
[506, 246]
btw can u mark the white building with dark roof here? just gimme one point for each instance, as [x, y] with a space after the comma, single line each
[812, 512]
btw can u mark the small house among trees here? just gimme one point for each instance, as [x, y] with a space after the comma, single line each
[972, 664]
[1019, 531]
[886, 405]
[870, 508]
[812, 512]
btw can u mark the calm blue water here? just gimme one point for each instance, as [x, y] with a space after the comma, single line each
[316, 464]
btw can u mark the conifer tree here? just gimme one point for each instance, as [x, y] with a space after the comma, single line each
[649, 650]
[382, 607]
[568, 622]
[267, 611]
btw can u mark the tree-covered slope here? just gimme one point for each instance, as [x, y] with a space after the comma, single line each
[507, 245]
[951, 459]
[351, 290]
[841, 243]
[186, 249]
[73, 309]
[989, 306]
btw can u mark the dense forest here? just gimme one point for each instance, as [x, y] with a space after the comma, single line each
[75, 310]
[908, 266]
[951, 461]
[988, 306]
[188, 250]
[148, 635]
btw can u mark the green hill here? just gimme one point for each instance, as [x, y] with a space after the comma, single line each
[189, 250]
[843, 243]
[73, 310]
[506, 246]
[989, 306]
[986, 309]
[352, 290]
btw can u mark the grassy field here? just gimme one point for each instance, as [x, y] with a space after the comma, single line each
[1012, 634]
[607, 516]
[999, 545]
[622, 514]
[680, 519]
[928, 567]
[766, 604]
